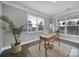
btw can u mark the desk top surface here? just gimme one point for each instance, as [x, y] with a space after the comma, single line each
[47, 35]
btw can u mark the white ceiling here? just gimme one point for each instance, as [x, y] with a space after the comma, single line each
[50, 8]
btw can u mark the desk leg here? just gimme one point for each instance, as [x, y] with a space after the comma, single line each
[39, 44]
[45, 48]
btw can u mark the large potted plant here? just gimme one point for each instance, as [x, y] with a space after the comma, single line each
[16, 31]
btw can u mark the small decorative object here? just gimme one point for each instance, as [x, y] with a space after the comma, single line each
[16, 31]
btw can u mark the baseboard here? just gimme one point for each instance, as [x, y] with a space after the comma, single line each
[4, 48]
[8, 47]
[0, 51]
[29, 41]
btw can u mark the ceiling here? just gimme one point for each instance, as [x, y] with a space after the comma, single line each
[50, 8]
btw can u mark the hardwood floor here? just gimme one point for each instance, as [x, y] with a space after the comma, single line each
[25, 52]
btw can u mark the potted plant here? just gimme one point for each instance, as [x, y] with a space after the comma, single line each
[16, 31]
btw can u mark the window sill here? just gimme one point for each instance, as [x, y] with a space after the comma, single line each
[35, 32]
[69, 35]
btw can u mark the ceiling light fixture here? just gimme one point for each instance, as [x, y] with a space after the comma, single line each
[53, 0]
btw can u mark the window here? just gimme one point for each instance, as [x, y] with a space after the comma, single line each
[40, 24]
[72, 27]
[31, 23]
[61, 26]
[35, 23]
[69, 26]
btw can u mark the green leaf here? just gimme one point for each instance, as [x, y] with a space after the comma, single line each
[12, 28]
[5, 19]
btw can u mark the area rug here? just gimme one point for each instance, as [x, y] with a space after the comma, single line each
[58, 51]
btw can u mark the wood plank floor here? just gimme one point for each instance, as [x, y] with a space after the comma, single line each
[25, 52]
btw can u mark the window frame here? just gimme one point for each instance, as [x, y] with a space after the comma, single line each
[35, 24]
[66, 25]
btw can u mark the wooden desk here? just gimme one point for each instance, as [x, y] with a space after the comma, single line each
[49, 37]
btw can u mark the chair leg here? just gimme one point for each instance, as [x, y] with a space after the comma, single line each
[39, 44]
[49, 45]
[59, 42]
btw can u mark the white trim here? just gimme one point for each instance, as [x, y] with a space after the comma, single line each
[69, 35]
[75, 11]
[7, 47]
[30, 41]
[71, 38]
[28, 10]
[4, 48]
[35, 32]
[0, 51]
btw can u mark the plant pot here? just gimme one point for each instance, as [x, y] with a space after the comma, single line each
[16, 48]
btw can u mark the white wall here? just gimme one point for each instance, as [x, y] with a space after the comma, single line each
[1, 34]
[19, 17]
[53, 21]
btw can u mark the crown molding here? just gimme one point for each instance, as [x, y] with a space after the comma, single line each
[28, 10]
[71, 12]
